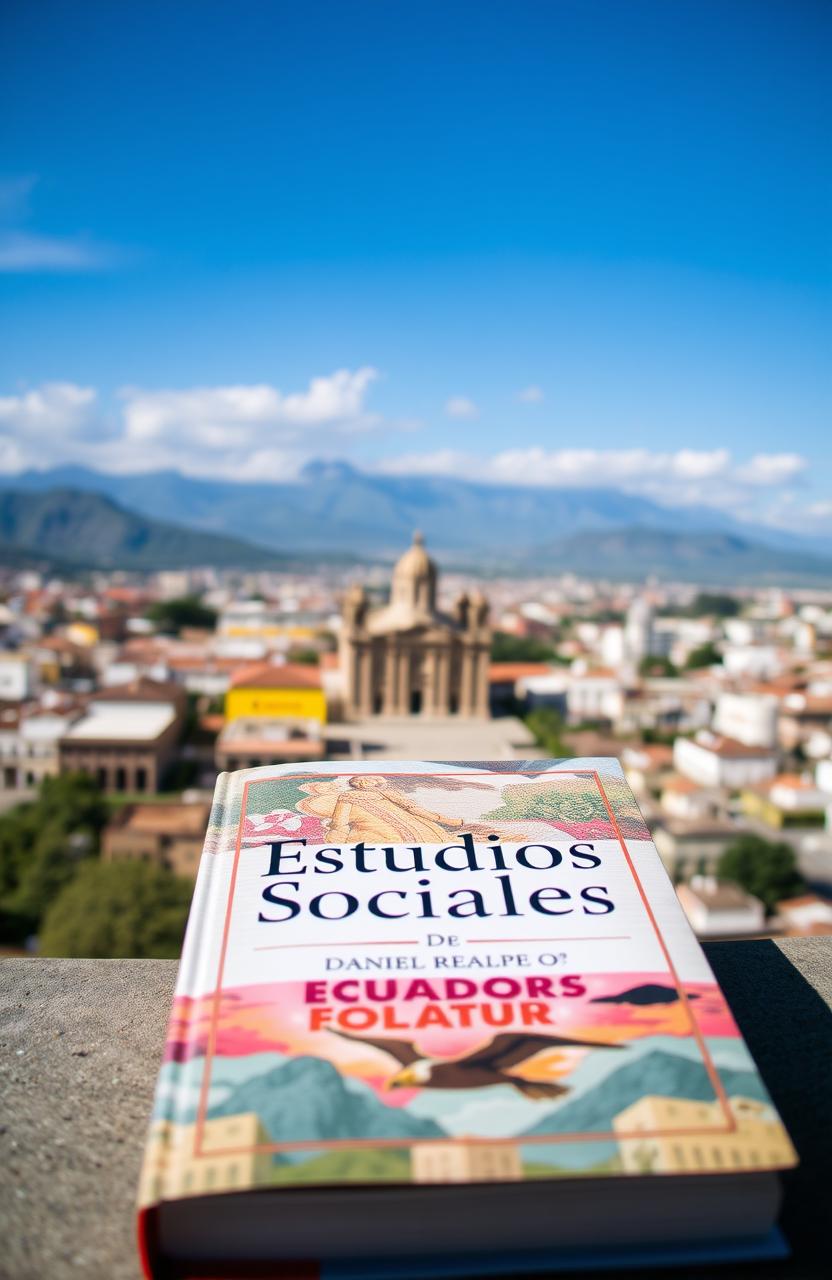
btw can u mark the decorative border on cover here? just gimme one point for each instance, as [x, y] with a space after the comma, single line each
[713, 1075]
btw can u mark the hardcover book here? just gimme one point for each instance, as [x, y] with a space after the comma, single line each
[429, 1014]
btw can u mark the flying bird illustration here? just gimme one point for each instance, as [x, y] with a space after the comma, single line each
[488, 1065]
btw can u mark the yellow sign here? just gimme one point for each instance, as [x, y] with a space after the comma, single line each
[276, 704]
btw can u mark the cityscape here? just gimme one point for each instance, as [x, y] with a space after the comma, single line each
[124, 694]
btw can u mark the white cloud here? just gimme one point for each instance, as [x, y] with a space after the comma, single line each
[461, 407]
[248, 432]
[22, 251]
[772, 468]
[531, 395]
[245, 416]
[684, 477]
[259, 432]
[55, 410]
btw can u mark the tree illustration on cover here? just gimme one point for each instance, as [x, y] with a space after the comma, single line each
[575, 804]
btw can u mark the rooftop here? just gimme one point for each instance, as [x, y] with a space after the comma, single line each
[717, 895]
[505, 672]
[276, 675]
[165, 819]
[730, 748]
[117, 722]
[423, 738]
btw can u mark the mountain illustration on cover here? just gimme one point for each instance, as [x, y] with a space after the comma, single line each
[657, 1072]
[304, 1099]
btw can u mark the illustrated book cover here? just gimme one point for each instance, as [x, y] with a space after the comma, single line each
[411, 987]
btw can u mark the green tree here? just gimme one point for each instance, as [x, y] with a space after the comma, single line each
[705, 655]
[714, 604]
[55, 859]
[307, 657]
[508, 648]
[41, 845]
[765, 868]
[118, 909]
[654, 665]
[548, 727]
[183, 611]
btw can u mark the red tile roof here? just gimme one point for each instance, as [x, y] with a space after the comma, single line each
[274, 675]
[505, 672]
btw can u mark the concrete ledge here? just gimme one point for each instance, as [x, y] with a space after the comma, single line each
[80, 1045]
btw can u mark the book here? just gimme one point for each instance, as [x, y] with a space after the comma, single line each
[433, 1013]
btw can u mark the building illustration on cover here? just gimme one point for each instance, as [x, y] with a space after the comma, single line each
[556, 1037]
[759, 1140]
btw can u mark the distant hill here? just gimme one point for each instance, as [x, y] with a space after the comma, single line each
[66, 527]
[335, 504]
[487, 528]
[712, 556]
[306, 1098]
[656, 1072]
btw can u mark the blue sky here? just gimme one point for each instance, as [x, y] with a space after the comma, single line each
[564, 243]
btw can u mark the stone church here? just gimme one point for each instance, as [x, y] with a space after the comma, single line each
[406, 658]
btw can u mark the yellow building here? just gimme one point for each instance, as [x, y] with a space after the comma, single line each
[276, 691]
[668, 1146]
[465, 1162]
[171, 1168]
[787, 800]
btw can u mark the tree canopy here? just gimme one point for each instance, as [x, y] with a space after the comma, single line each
[705, 655]
[115, 909]
[765, 868]
[42, 844]
[508, 648]
[183, 611]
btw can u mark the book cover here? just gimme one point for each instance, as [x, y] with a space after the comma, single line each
[415, 972]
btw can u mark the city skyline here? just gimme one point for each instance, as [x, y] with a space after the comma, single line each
[569, 245]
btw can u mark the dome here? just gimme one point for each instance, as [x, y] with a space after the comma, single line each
[414, 577]
[415, 562]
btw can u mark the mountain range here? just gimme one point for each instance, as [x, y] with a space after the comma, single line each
[67, 528]
[659, 1073]
[306, 1098]
[333, 511]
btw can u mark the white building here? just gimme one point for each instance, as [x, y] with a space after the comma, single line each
[747, 717]
[16, 677]
[808, 914]
[594, 694]
[683, 798]
[639, 638]
[717, 909]
[823, 776]
[29, 748]
[716, 761]
[758, 661]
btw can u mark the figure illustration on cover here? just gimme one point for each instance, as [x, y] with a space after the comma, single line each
[404, 808]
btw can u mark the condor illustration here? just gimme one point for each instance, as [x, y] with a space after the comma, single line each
[488, 1065]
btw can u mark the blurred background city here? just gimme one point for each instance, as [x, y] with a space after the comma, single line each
[412, 381]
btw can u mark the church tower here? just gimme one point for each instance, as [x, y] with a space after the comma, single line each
[408, 658]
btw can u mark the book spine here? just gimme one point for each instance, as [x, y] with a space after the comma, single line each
[195, 975]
